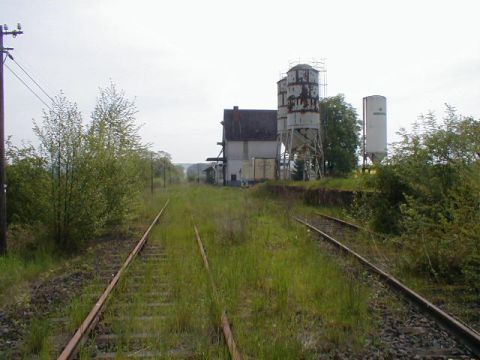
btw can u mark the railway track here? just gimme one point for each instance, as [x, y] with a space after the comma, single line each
[327, 227]
[91, 321]
[140, 317]
[137, 316]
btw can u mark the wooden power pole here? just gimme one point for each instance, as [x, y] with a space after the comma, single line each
[3, 196]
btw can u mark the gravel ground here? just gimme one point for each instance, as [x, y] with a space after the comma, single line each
[456, 299]
[400, 330]
[46, 296]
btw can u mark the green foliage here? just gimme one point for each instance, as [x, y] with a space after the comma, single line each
[15, 270]
[386, 201]
[27, 185]
[341, 140]
[298, 170]
[36, 341]
[164, 169]
[269, 271]
[81, 181]
[430, 193]
[61, 134]
[115, 155]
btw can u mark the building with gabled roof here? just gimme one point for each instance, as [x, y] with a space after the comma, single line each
[249, 146]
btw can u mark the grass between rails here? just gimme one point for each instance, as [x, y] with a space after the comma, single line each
[285, 298]
[43, 337]
[18, 270]
[187, 320]
[389, 253]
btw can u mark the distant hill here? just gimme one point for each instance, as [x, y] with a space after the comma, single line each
[184, 166]
[193, 167]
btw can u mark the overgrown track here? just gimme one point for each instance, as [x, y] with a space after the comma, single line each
[136, 321]
[227, 332]
[461, 331]
[93, 317]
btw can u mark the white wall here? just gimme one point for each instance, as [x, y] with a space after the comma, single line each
[238, 151]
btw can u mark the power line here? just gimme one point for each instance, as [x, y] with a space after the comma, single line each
[31, 78]
[28, 87]
[37, 75]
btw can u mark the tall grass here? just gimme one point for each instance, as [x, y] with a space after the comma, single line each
[356, 181]
[16, 272]
[36, 341]
[279, 289]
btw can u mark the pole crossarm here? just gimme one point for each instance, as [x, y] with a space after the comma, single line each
[3, 196]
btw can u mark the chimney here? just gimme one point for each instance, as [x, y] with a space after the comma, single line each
[236, 114]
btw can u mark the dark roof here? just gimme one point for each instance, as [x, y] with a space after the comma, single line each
[245, 125]
[303, 67]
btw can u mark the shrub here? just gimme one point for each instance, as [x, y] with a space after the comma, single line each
[429, 192]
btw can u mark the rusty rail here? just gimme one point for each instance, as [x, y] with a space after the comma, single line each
[227, 332]
[92, 318]
[343, 222]
[463, 332]
[351, 225]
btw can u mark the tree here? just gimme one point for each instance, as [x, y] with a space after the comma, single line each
[27, 185]
[72, 217]
[341, 136]
[116, 154]
[298, 170]
[431, 185]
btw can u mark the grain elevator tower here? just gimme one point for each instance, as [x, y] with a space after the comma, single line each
[298, 121]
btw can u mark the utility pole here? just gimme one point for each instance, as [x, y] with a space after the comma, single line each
[164, 172]
[151, 172]
[3, 196]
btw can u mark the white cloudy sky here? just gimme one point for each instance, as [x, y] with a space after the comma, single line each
[185, 61]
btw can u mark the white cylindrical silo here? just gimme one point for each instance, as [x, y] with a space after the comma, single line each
[375, 122]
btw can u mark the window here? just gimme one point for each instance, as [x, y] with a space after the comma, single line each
[233, 177]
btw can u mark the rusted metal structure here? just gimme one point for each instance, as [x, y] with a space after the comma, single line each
[299, 133]
[282, 134]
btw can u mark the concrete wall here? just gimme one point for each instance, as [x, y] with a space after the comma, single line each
[237, 152]
[318, 196]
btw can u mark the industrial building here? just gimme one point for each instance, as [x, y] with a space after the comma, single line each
[249, 147]
[264, 144]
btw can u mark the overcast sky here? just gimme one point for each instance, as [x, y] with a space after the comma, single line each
[185, 61]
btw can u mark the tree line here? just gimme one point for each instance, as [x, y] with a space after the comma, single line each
[82, 180]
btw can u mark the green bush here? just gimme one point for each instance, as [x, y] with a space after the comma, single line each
[429, 194]
[82, 180]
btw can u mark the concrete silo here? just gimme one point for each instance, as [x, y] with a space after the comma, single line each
[375, 127]
[303, 119]
[282, 107]
[282, 136]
